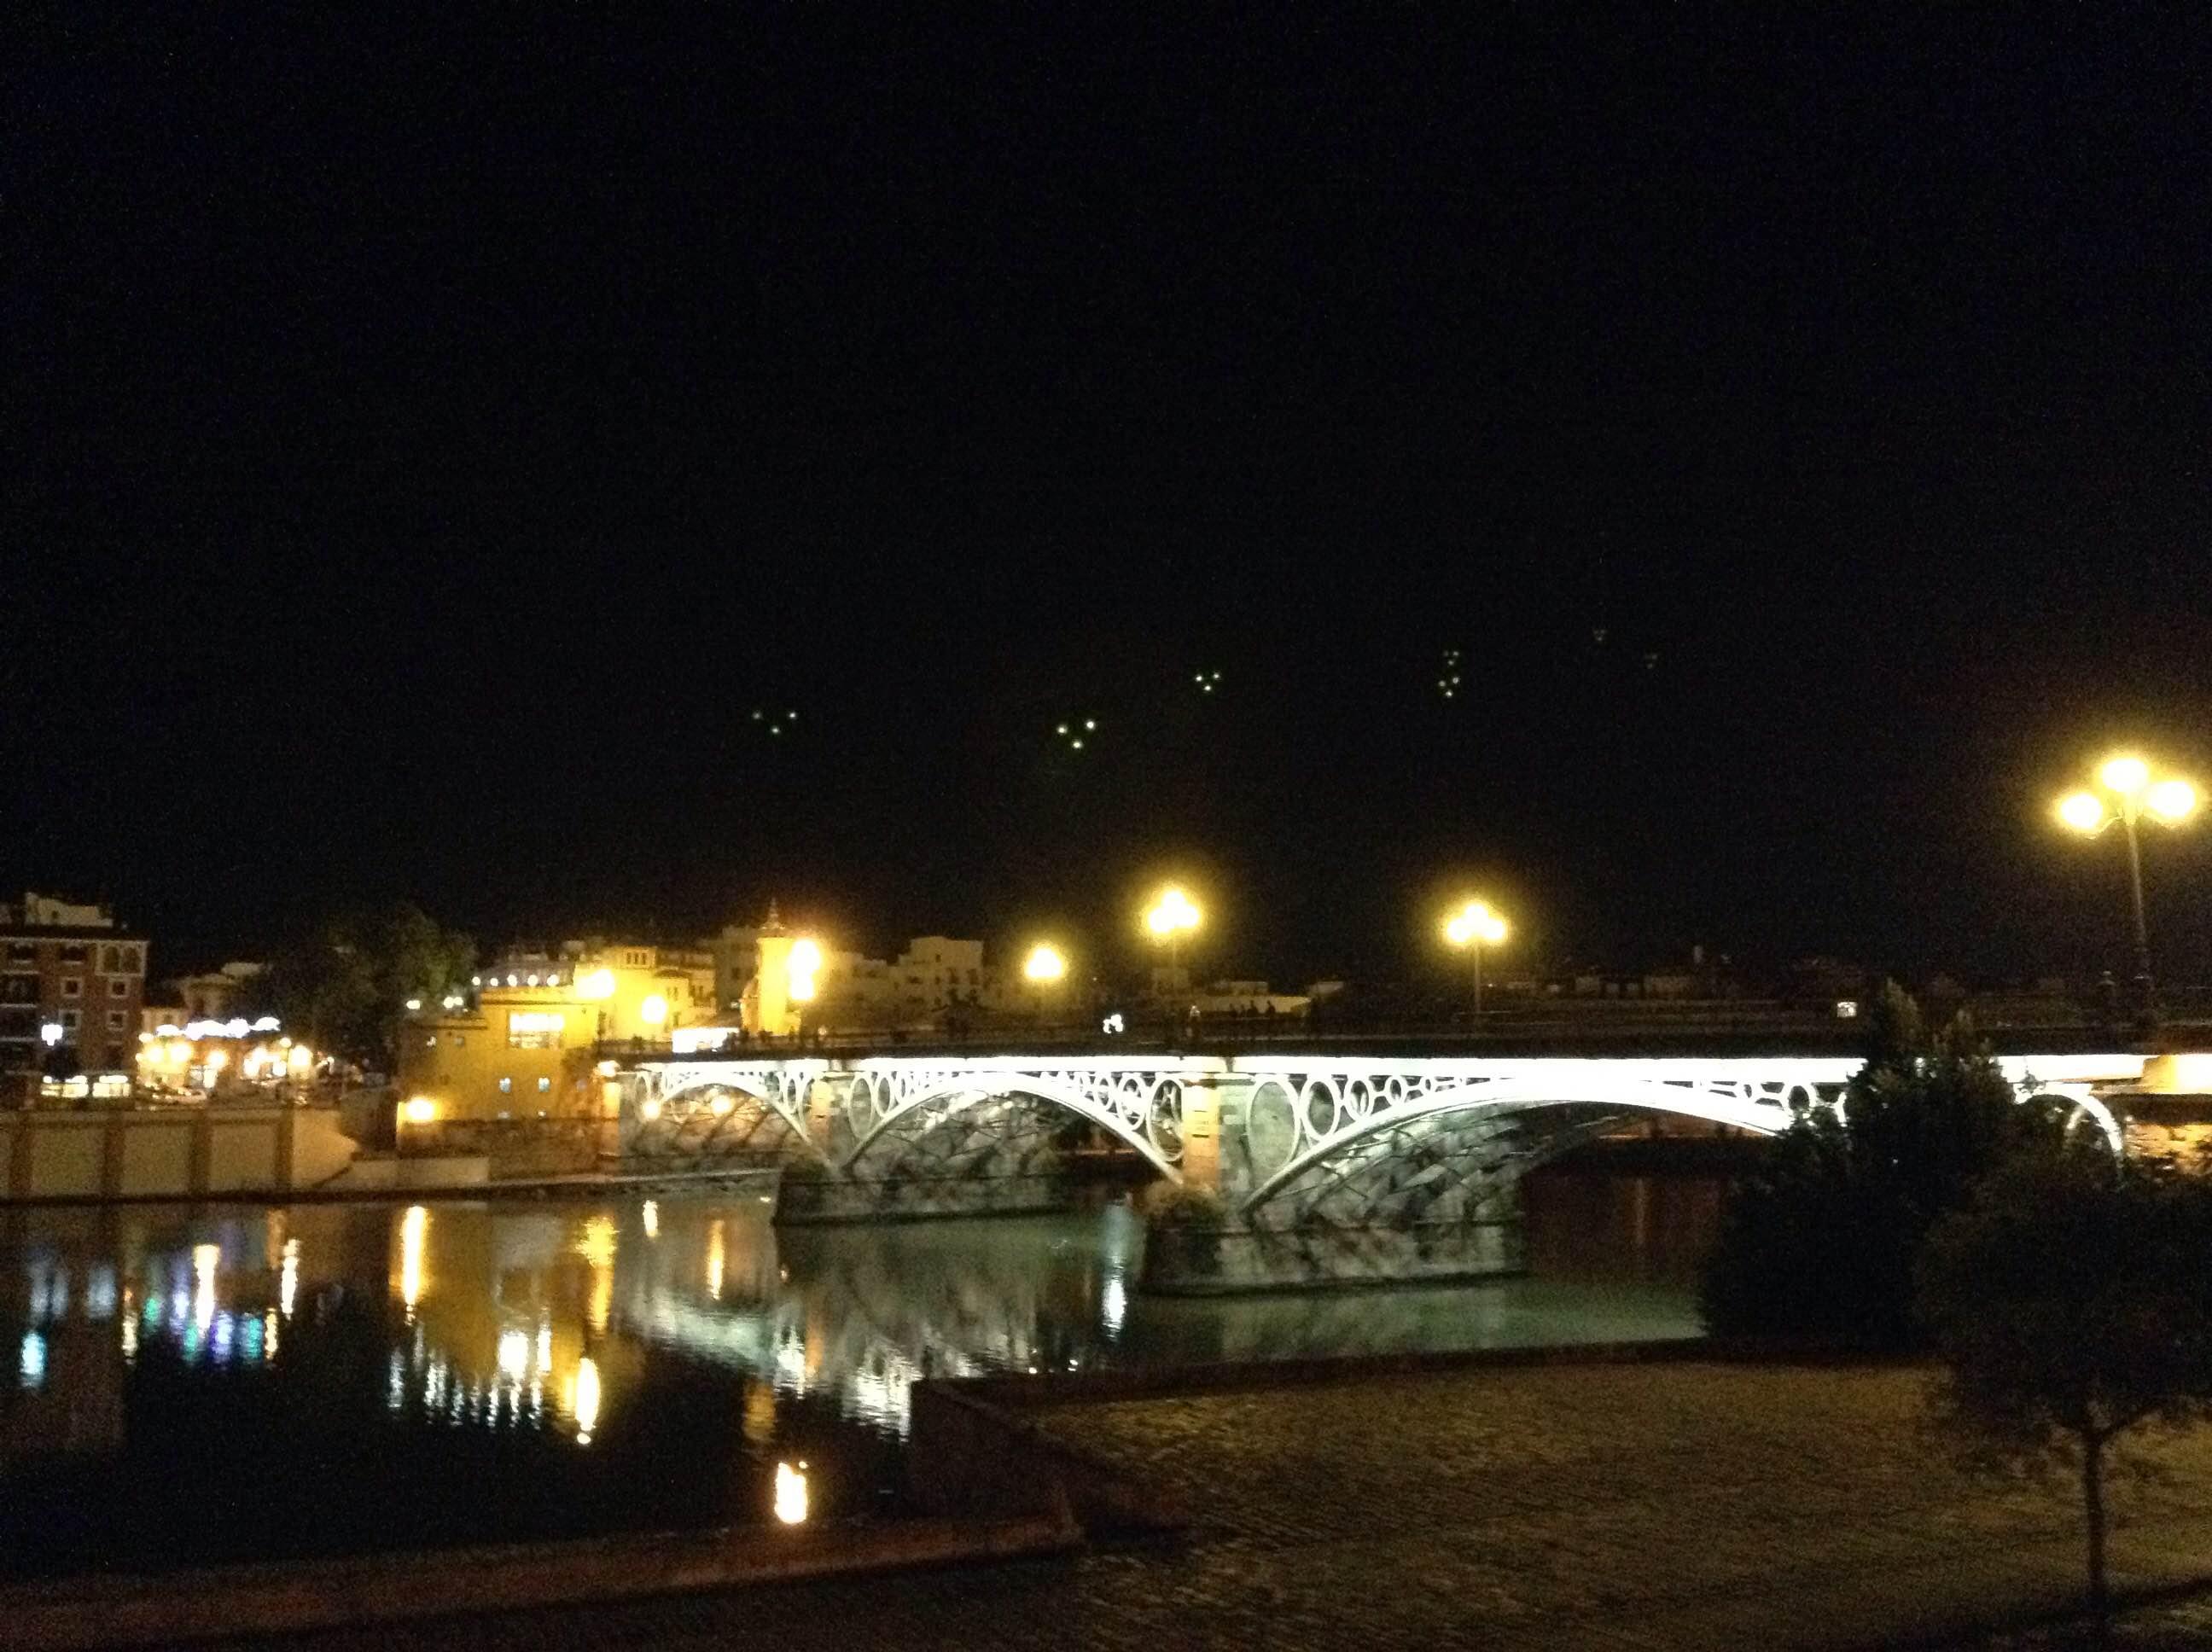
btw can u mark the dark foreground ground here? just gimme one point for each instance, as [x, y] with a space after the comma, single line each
[1672, 1506]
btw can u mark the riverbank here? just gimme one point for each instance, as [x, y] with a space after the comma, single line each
[1654, 1504]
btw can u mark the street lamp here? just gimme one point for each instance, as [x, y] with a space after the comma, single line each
[1474, 926]
[2125, 795]
[1169, 918]
[1044, 968]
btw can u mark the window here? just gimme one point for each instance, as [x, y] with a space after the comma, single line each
[119, 986]
[533, 1029]
[507, 1086]
[72, 987]
[111, 960]
[71, 1019]
[19, 989]
[116, 1021]
[544, 1085]
[454, 1039]
[22, 951]
[73, 953]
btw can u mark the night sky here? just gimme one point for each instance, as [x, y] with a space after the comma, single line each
[424, 451]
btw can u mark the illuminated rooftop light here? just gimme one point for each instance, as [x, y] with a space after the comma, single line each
[1045, 964]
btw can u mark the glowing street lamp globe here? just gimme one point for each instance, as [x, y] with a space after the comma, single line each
[1173, 914]
[2126, 774]
[2083, 811]
[2172, 800]
[1475, 924]
[1045, 965]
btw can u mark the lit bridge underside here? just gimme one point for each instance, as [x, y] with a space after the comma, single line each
[1321, 1168]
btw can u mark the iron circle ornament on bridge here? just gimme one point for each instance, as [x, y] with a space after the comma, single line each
[1163, 1124]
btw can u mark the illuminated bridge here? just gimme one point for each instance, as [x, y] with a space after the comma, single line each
[1297, 1168]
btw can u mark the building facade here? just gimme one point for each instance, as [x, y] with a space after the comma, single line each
[71, 985]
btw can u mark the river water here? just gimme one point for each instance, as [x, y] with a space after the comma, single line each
[194, 1383]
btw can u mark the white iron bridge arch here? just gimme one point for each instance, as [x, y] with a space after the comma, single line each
[1310, 1109]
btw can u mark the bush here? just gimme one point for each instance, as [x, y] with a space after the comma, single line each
[1821, 1243]
[1171, 1205]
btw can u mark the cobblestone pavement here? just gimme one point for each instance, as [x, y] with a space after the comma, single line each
[1633, 1506]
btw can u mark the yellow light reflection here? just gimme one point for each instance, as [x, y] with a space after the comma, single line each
[791, 1494]
[414, 1228]
[715, 1254]
[597, 1247]
[288, 1278]
[585, 1401]
[652, 1218]
[759, 1424]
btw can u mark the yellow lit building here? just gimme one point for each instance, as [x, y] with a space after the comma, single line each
[528, 1048]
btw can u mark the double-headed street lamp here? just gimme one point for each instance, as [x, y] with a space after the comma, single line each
[2126, 794]
[1474, 925]
[1169, 918]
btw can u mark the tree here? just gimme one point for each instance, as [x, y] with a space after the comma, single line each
[1822, 1241]
[346, 987]
[2073, 1304]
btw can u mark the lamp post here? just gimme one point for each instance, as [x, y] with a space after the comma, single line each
[1169, 918]
[1474, 925]
[2125, 795]
[1044, 969]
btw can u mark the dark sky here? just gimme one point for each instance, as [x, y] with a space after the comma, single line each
[424, 452]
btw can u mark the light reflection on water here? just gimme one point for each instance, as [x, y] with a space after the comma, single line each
[627, 1332]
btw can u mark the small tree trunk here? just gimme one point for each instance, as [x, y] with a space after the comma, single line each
[2092, 1511]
